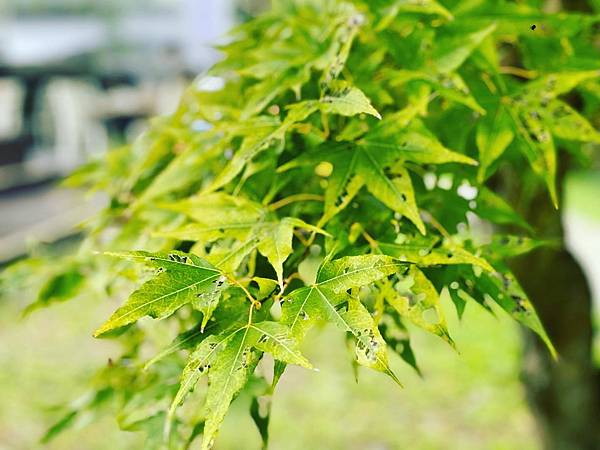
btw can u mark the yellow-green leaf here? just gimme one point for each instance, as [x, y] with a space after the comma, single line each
[347, 100]
[181, 279]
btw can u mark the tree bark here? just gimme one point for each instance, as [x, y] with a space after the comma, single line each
[564, 394]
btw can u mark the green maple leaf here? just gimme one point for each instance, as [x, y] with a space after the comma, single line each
[259, 142]
[448, 85]
[216, 215]
[452, 50]
[506, 291]
[219, 215]
[495, 132]
[327, 299]
[378, 157]
[346, 100]
[229, 359]
[432, 252]
[416, 299]
[181, 279]
[537, 115]
[411, 6]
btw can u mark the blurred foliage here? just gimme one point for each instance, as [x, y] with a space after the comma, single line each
[336, 166]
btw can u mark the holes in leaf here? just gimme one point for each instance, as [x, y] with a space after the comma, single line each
[520, 305]
[178, 258]
[412, 300]
[403, 286]
[219, 282]
[430, 316]
[245, 359]
[366, 345]
[341, 306]
[543, 136]
[506, 281]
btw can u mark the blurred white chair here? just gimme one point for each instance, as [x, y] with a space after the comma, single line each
[167, 95]
[70, 121]
[12, 95]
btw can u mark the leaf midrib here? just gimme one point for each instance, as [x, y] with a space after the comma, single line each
[364, 269]
[170, 261]
[351, 330]
[119, 318]
[288, 349]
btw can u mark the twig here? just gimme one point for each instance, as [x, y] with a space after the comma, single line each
[295, 198]
[523, 73]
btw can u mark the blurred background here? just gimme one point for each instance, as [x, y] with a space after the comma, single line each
[78, 77]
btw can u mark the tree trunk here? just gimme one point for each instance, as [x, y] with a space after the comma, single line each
[564, 394]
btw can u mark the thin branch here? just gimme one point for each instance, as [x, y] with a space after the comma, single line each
[254, 302]
[517, 71]
[295, 198]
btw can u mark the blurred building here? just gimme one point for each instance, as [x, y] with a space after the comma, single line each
[79, 76]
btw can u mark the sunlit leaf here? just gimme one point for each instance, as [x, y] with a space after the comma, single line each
[328, 300]
[347, 100]
[415, 298]
[181, 279]
[494, 134]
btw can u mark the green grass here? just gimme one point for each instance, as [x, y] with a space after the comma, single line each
[45, 361]
[472, 400]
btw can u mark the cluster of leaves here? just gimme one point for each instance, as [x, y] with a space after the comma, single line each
[335, 166]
